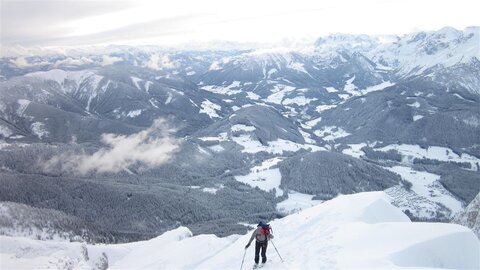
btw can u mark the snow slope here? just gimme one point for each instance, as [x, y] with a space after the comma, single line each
[62, 77]
[353, 231]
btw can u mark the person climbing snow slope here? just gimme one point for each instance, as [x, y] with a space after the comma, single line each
[262, 235]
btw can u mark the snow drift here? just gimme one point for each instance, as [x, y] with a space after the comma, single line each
[353, 231]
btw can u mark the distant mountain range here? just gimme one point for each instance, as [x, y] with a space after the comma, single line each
[346, 114]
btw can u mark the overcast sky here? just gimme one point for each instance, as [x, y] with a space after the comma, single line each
[69, 22]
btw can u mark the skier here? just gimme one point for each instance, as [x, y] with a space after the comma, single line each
[262, 235]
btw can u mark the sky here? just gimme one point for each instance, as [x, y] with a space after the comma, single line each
[80, 22]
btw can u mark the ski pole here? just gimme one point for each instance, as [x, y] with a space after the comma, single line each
[276, 250]
[245, 252]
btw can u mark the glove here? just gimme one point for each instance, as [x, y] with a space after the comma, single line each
[247, 245]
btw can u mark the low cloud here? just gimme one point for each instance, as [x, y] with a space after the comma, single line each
[158, 62]
[21, 62]
[69, 61]
[110, 60]
[150, 147]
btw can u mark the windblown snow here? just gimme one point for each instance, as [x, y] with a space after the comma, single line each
[362, 231]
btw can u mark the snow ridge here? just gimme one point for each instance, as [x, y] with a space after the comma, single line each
[351, 231]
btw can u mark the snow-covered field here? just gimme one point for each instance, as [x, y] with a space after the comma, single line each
[427, 192]
[331, 133]
[265, 180]
[427, 185]
[296, 202]
[353, 231]
[264, 177]
[229, 90]
[279, 91]
[409, 152]
[251, 145]
[210, 108]
[355, 150]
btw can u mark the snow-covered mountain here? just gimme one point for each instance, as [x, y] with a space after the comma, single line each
[253, 133]
[471, 216]
[355, 231]
[416, 53]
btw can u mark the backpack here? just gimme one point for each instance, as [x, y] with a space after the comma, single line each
[265, 230]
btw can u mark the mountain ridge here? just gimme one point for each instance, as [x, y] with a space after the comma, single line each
[240, 119]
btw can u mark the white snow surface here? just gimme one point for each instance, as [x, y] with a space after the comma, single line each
[299, 100]
[213, 190]
[221, 137]
[263, 179]
[350, 87]
[38, 129]
[263, 176]
[377, 87]
[210, 108]
[409, 152]
[417, 205]
[241, 127]
[5, 132]
[331, 89]
[321, 108]
[406, 57]
[307, 137]
[278, 146]
[147, 85]
[362, 231]
[216, 148]
[355, 150]
[279, 91]
[169, 99]
[426, 192]
[252, 95]
[135, 81]
[299, 67]
[416, 104]
[331, 133]
[296, 202]
[312, 123]
[135, 113]
[229, 90]
[62, 77]
[22, 106]
[354, 91]
[417, 117]
[427, 186]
